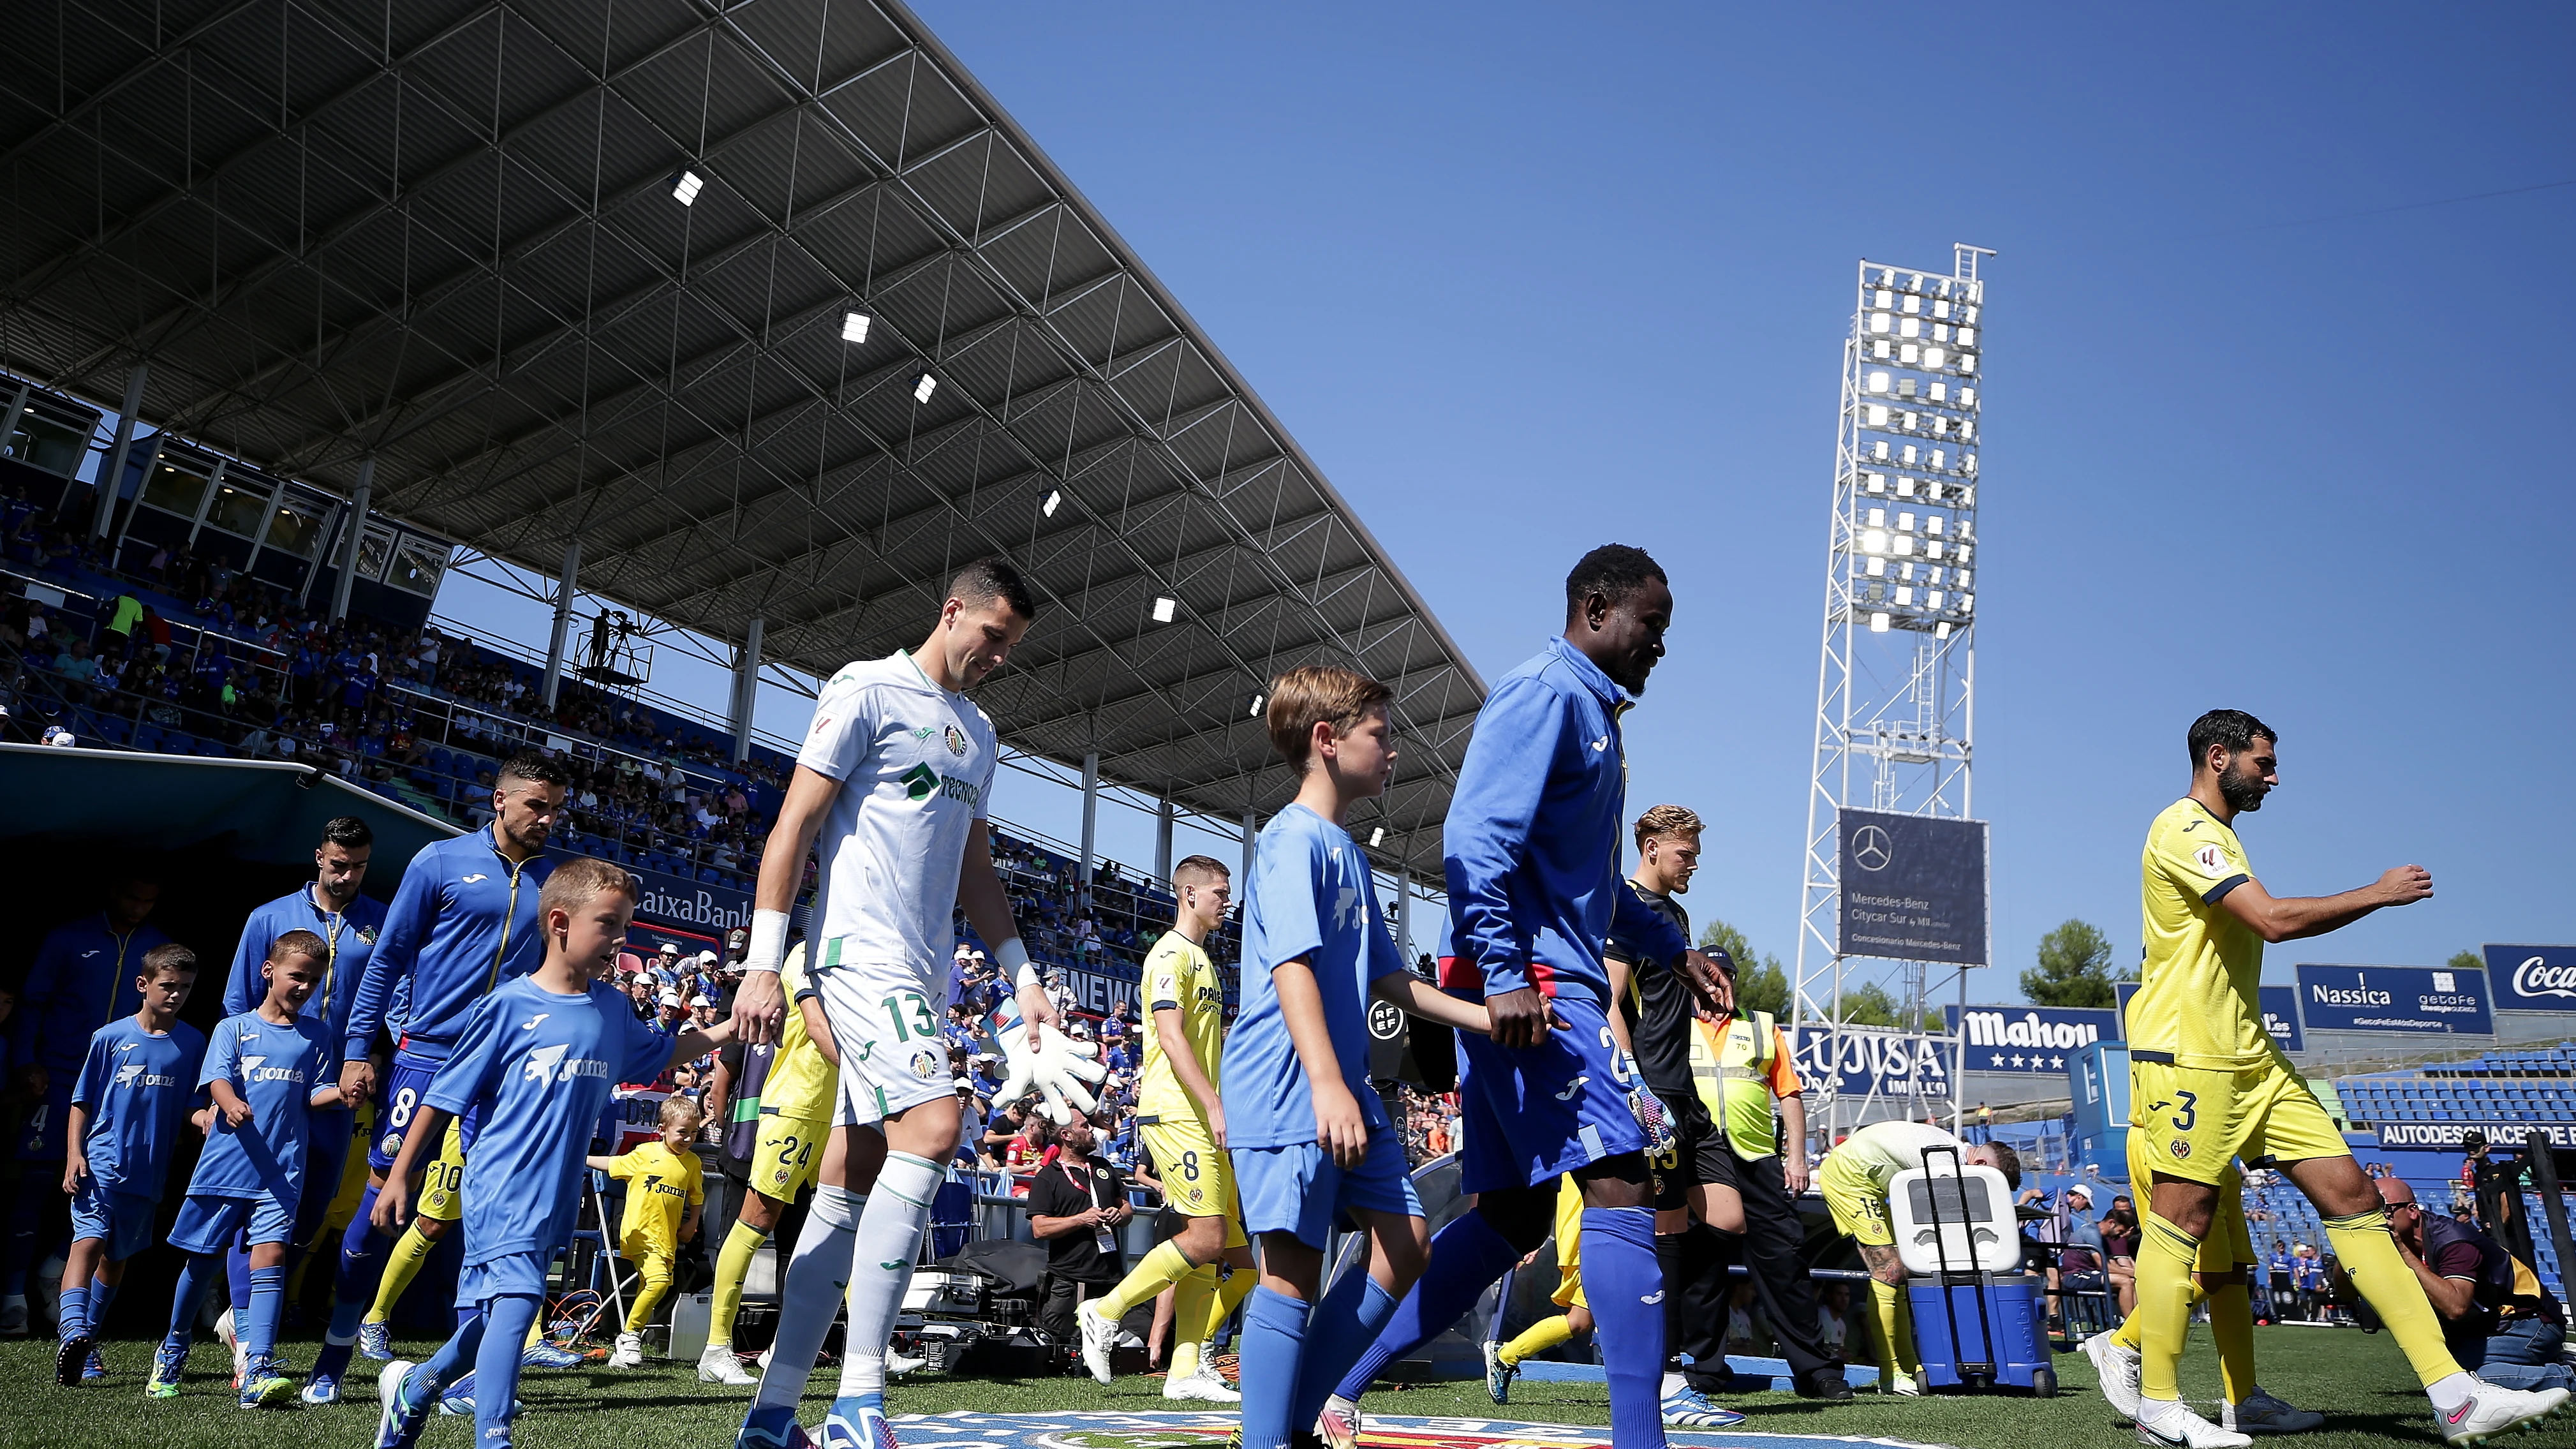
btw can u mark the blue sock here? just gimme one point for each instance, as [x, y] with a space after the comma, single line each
[73, 1315]
[195, 1277]
[257, 1325]
[1467, 1257]
[362, 1265]
[1346, 1322]
[496, 1367]
[237, 1279]
[1625, 1286]
[1274, 1344]
[454, 1358]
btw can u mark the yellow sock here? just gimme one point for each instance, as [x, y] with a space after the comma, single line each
[1156, 1271]
[2231, 1322]
[402, 1264]
[2370, 1258]
[1891, 1330]
[2126, 1335]
[1230, 1293]
[733, 1264]
[2166, 1257]
[1538, 1338]
[1184, 1360]
[1191, 1298]
[536, 1332]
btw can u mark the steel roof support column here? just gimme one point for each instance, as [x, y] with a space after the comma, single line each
[111, 475]
[746, 690]
[1404, 916]
[1243, 883]
[1163, 841]
[358, 500]
[1090, 818]
[566, 580]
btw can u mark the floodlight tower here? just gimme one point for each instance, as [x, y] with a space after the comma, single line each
[1896, 683]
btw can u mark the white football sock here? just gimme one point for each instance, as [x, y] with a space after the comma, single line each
[809, 1295]
[2451, 1390]
[888, 1243]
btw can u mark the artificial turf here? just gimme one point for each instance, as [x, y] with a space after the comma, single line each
[2359, 1381]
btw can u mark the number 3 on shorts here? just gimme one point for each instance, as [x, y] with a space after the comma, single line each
[911, 1017]
[2190, 1111]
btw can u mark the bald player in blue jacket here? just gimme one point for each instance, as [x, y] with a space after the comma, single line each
[1533, 839]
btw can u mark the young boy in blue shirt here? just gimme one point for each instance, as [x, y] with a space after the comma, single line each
[534, 1067]
[266, 1069]
[1308, 1137]
[133, 1092]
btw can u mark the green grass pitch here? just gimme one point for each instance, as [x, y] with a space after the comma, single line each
[2359, 1381]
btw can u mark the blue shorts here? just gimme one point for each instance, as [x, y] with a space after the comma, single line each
[398, 1097]
[1299, 1190]
[523, 1274]
[122, 1220]
[42, 1139]
[209, 1224]
[1528, 1116]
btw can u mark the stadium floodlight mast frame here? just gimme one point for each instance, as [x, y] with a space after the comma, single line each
[1896, 680]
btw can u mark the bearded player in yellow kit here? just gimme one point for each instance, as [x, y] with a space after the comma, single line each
[1183, 1125]
[2208, 1084]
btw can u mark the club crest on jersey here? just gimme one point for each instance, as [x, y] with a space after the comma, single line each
[926, 1063]
[2181, 1147]
[956, 741]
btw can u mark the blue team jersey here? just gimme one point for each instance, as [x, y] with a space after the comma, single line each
[1310, 896]
[463, 921]
[137, 1087]
[276, 1069]
[1534, 831]
[540, 1066]
[82, 979]
[349, 938]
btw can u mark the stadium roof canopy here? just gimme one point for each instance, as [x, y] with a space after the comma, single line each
[444, 234]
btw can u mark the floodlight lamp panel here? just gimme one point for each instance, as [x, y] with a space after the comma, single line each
[1878, 382]
[686, 186]
[1873, 541]
[922, 389]
[1258, 700]
[1941, 630]
[1377, 837]
[854, 327]
[1878, 623]
[1164, 609]
[1054, 497]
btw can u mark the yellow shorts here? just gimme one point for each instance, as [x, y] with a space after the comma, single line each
[442, 1187]
[789, 1154]
[1198, 1179]
[1859, 1208]
[1569, 1247]
[2195, 1119]
[2230, 1243]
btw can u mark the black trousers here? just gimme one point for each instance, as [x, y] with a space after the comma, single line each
[1057, 1298]
[1771, 1243]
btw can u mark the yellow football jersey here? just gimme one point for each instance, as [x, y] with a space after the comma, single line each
[661, 1185]
[1179, 974]
[2199, 989]
[801, 1083]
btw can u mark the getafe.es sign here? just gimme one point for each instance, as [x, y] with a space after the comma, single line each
[2533, 978]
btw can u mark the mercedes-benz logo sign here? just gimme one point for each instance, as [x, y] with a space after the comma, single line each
[1385, 1020]
[1870, 848]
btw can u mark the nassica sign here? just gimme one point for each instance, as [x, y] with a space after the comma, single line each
[1913, 887]
[2533, 978]
[2400, 1000]
[2279, 1005]
[2029, 1039]
[1859, 1060]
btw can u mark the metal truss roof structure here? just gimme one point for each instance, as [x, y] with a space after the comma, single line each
[444, 234]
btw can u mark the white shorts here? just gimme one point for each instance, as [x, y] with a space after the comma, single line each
[887, 1028]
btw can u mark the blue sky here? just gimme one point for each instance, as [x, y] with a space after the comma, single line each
[1524, 279]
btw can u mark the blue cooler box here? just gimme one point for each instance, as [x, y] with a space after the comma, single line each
[2008, 1345]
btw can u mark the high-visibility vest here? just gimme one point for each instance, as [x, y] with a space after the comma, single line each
[1731, 1066]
